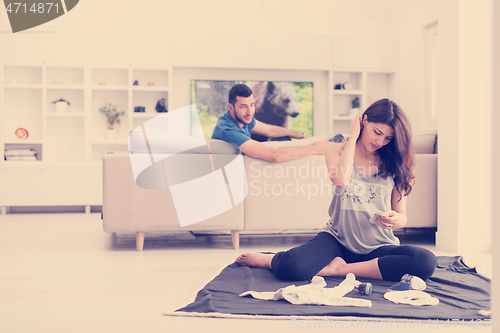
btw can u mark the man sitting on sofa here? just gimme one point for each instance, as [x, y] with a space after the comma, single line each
[236, 124]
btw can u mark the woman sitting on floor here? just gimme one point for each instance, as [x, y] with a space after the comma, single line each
[371, 172]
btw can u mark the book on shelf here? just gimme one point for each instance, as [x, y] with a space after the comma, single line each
[20, 158]
[20, 154]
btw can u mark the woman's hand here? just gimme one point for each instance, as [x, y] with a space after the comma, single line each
[390, 221]
[355, 127]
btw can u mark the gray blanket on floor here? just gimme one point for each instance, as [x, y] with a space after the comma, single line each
[461, 291]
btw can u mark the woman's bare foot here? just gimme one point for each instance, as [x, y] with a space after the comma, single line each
[334, 268]
[253, 259]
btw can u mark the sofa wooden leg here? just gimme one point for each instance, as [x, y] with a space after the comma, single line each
[139, 240]
[235, 236]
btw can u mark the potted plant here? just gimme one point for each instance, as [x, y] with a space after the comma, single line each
[112, 116]
[61, 105]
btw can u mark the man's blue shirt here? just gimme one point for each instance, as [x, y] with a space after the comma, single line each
[228, 130]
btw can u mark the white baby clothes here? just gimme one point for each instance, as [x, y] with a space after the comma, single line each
[412, 297]
[315, 293]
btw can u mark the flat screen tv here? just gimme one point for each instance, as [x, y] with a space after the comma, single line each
[281, 103]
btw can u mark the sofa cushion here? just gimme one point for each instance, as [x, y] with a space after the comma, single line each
[425, 143]
[217, 147]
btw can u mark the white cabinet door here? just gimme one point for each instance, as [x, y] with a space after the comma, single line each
[43, 186]
[94, 186]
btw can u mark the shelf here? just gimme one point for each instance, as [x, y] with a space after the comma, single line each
[23, 75]
[105, 87]
[146, 114]
[17, 164]
[34, 146]
[144, 76]
[104, 142]
[23, 142]
[65, 75]
[44, 164]
[66, 115]
[23, 86]
[70, 144]
[368, 86]
[149, 88]
[66, 86]
[110, 77]
[347, 92]
[381, 71]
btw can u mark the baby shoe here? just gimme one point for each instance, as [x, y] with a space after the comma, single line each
[409, 282]
[363, 288]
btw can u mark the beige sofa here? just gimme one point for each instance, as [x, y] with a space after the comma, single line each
[292, 195]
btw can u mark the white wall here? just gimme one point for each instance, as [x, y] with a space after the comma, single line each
[355, 18]
[200, 33]
[465, 112]
[496, 156]
[414, 16]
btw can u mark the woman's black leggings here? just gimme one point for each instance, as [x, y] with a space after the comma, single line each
[305, 261]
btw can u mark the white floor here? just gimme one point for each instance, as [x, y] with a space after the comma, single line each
[63, 273]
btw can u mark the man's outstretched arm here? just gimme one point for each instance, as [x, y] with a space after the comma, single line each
[272, 131]
[281, 154]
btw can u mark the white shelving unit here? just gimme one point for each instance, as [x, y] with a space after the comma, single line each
[367, 85]
[70, 145]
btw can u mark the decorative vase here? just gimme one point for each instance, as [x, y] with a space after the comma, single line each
[61, 107]
[110, 135]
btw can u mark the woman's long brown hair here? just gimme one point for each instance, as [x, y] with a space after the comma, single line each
[398, 155]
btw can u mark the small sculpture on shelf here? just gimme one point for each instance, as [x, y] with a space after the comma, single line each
[61, 105]
[343, 86]
[160, 106]
[21, 133]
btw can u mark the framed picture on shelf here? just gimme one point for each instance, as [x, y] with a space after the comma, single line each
[281, 103]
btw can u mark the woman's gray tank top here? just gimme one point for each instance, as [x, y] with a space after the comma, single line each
[352, 213]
